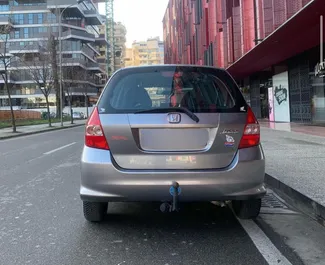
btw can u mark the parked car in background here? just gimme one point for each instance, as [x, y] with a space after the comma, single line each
[78, 115]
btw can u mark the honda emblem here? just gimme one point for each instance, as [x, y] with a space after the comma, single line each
[174, 118]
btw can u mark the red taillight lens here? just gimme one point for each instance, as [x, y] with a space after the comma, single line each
[95, 137]
[251, 136]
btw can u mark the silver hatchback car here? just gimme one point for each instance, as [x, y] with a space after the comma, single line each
[172, 134]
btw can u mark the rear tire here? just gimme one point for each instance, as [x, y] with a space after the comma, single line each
[94, 211]
[247, 209]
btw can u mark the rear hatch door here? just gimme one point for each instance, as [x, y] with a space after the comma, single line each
[168, 117]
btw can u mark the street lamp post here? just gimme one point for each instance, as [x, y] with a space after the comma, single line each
[60, 58]
[321, 39]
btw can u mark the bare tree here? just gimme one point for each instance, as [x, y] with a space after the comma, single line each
[77, 76]
[40, 70]
[54, 65]
[71, 74]
[53, 43]
[86, 99]
[5, 60]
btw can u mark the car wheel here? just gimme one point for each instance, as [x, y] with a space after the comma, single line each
[247, 209]
[94, 211]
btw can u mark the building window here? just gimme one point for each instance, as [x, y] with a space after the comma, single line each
[17, 34]
[40, 19]
[30, 19]
[26, 33]
[19, 18]
[4, 7]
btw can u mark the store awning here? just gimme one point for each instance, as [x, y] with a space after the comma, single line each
[300, 33]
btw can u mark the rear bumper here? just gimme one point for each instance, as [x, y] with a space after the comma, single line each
[102, 181]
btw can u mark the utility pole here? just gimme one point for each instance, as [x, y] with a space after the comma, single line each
[109, 6]
[60, 58]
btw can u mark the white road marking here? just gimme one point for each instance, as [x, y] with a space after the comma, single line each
[58, 149]
[265, 210]
[264, 245]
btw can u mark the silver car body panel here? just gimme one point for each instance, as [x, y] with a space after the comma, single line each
[204, 143]
[103, 180]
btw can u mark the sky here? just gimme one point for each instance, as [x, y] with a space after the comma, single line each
[142, 18]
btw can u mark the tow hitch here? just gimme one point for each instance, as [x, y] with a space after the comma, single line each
[173, 207]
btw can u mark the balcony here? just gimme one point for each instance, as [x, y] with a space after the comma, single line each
[20, 92]
[81, 90]
[95, 49]
[102, 60]
[76, 23]
[94, 67]
[73, 8]
[101, 83]
[52, 4]
[19, 8]
[33, 64]
[101, 40]
[12, 78]
[74, 62]
[92, 17]
[16, 48]
[89, 52]
[6, 21]
[78, 34]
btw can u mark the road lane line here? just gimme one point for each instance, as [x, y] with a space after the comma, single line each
[40, 133]
[264, 245]
[58, 149]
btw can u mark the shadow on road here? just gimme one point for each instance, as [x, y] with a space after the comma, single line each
[138, 233]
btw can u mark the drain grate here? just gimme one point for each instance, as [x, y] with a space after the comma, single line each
[271, 201]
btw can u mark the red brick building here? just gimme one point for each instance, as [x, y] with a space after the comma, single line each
[262, 43]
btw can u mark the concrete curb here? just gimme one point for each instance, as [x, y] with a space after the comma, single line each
[302, 202]
[41, 131]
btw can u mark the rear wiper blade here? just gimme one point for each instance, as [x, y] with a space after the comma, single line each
[176, 109]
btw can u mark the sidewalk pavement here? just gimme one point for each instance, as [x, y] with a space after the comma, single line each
[33, 129]
[295, 156]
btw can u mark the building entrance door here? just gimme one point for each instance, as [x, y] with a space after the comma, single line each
[300, 92]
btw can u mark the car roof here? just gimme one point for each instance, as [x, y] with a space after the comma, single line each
[170, 65]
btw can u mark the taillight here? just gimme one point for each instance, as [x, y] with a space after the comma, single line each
[95, 137]
[251, 136]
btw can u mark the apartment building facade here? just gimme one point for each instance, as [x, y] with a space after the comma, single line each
[32, 23]
[271, 47]
[148, 52]
[120, 44]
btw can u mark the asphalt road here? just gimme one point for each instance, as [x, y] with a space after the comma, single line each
[42, 221]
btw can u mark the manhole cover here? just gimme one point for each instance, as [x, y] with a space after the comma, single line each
[271, 201]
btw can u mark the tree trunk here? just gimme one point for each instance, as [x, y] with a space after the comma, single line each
[70, 105]
[86, 104]
[48, 110]
[13, 120]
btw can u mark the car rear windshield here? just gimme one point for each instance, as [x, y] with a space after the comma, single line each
[198, 89]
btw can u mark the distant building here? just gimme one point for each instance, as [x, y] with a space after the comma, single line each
[120, 47]
[128, 60]
[32, 23]
[271, 48]
[148, 52]
[102, 58]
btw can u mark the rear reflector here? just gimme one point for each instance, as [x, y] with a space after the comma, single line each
[94, 136]
[251, 136]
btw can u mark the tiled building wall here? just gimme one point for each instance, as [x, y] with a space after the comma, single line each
[219, 32]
